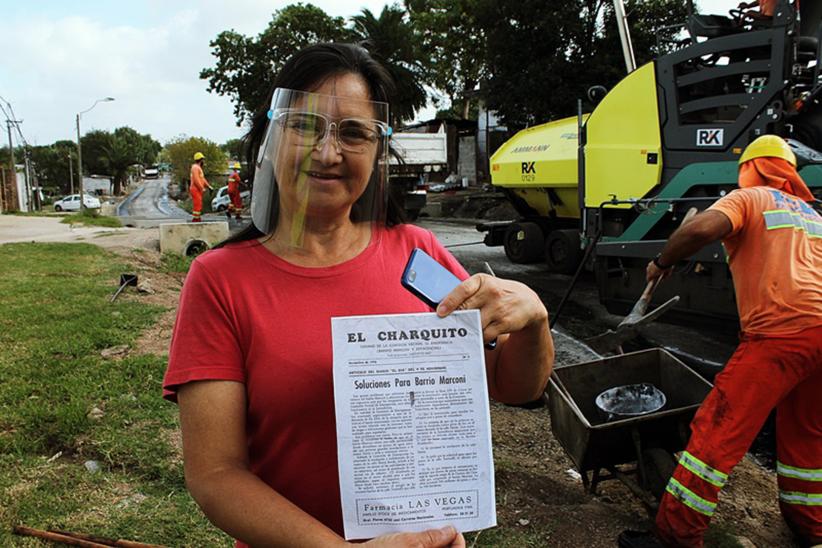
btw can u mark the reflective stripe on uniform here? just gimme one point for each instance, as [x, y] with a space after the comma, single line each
[782, 218]
[702, 470]
[804, 499]
[807, 474]
[690, 499]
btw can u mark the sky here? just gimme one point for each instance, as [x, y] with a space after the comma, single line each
[59, 57]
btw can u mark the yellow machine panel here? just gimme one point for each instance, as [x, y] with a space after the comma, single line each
[539, 159]
[623, 150]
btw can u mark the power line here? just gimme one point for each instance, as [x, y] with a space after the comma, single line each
[11, 121]
[16, 123]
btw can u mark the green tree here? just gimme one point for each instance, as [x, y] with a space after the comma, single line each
[451, 43]
[113, 153]
[5, 159]
[180, 153]
[390, 39]
[234, 149]
[245, 67]
[542, 56]
[51, 165]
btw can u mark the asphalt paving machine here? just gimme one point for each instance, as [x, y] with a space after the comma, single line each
[666, 138]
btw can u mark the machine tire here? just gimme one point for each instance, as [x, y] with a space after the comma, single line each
[58, 208]
[659, 467]
[562, 252]
[523, 243]
[221, 208]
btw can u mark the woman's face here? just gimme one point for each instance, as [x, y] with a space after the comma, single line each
[323, 180]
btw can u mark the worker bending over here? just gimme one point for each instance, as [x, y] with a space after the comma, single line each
[773, 240]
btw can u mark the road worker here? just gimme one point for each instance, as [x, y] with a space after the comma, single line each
[198, 185]
[773, 240]
[235, 204]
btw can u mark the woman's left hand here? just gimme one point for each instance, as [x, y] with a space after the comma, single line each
[505, 306]
[512, 313]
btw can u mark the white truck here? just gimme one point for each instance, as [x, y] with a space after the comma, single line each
[423, 159]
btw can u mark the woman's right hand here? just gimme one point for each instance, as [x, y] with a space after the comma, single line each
[432, 538]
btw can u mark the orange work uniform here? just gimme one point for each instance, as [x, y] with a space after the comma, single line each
[236, 204]
[767, 7]
[198, 185]
[775, 256]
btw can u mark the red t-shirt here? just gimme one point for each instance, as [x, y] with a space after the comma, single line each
[246, 315]
[775, 257]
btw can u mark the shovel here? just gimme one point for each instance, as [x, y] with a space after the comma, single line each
[628, 328]
[125, 280]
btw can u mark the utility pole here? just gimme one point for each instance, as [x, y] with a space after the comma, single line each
[80, 152]
[11, 154]
[71, 174]
[80, 166]
[34, 201]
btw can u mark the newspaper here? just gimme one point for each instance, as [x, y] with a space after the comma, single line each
[413, 424]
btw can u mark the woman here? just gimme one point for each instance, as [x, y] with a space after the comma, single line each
[250, 361]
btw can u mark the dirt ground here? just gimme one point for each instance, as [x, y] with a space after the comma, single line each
[537, 488]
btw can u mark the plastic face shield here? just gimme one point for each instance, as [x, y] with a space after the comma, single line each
[320, 154]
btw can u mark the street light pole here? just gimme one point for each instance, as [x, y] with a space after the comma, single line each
[71, 174]
[80, 152]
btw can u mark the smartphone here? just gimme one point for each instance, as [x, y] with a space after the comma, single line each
[430, 281]
[427, 279]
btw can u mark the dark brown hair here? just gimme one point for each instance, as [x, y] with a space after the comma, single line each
[304, 71]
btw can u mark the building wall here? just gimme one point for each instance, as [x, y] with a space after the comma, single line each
[96, 186]
[22, 191]
[8, 191]
[468, 158]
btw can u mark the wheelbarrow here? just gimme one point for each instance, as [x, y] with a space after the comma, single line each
[637, 450]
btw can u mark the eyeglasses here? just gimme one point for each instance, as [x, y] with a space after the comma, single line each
[310, 129]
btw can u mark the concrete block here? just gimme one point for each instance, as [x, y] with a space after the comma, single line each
[432, 209]
[108, 209]
[191, 238]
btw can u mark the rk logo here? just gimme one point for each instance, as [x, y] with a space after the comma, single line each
[528, 167]
[710, 137]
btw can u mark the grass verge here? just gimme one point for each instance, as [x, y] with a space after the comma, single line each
[175, 263]
[62, 404]
[92, 218]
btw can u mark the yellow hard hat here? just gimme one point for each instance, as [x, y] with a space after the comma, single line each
[768, 146]
[236, 165]
[198, 156]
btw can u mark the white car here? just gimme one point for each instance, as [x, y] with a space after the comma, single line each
[151, 172]
[220, 202]
[72, 203]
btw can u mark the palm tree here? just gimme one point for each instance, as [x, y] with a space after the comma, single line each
[391, 40]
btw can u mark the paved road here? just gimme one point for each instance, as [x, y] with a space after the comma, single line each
[150, 202]
[150, 205]
[15, 228]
